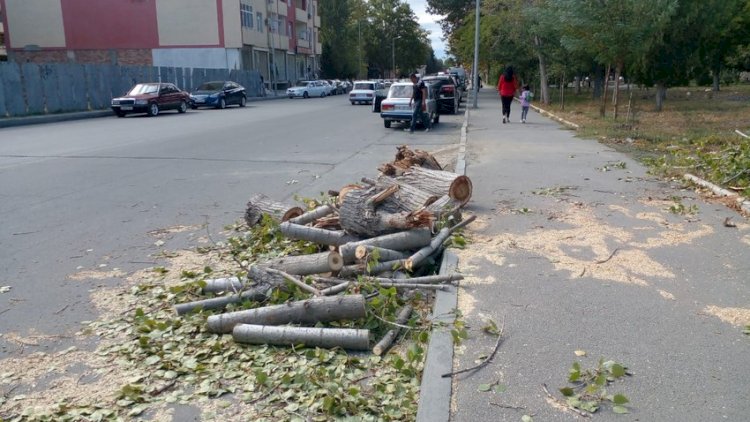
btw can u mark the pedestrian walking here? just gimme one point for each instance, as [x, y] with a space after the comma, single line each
[419, 102]
[507, 85]
[526, 97]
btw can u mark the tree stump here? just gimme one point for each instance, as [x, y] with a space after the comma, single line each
[357, 215]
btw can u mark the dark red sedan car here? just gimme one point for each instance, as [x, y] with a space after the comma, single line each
[151, 98]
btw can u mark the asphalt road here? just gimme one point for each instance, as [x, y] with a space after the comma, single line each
[83, 195]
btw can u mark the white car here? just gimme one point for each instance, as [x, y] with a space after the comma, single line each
[363, 92]
[397, 108]
[306, 89]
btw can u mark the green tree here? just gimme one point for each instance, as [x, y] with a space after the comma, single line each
[337, 59]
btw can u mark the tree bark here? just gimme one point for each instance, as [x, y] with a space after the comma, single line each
[578, 84]
[317, 263]
[310, 311]
[260, 204]
[313, 215]
[217, 303]
[218, 285]
[357, 215]
[401, 241]
[445, 208]
[406, 199]
[439, 183]
[346, 338]
[406, 158]
[661, 93]
[390, 336]
[319, 236]
[359, 269]
[363, 251]
[616, 95]
[716, 70]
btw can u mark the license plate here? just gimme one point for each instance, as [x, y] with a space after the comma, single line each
[402, 107]
[125, 108]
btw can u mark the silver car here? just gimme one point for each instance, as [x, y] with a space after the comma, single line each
[307, 89]
[395, 107]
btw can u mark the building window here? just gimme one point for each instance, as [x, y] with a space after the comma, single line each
[272, 22]
[259, 21]
[246, 12]
[282, 27]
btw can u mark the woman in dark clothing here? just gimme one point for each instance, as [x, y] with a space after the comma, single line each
[507, 86]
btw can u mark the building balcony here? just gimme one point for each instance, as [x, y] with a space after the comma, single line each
[301, 15]
[303, 43]
[317, 21]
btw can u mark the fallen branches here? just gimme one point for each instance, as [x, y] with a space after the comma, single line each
[563, 404]
[387, 340]
[484, 362]
[346, 338]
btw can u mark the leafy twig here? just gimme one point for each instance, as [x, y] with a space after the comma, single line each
[306, 287]
[484, 362]
[506, 406]
[564, 404]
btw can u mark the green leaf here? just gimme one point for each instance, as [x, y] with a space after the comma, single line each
[620, 399]
[527, 418]
[152, 360]
[567, 391]
[501, 388]
[601, 379]
[590, 406]
[484, 387]
[617, 370]
[260, 376]
[620, 410]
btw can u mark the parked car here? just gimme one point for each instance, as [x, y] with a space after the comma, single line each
[395, 108]
[306, 89]
[448, 95]
[218, 94]
[460, 74]
[363, 92]
[151, 98]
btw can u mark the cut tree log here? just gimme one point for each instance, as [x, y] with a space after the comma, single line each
[429, 279]
[418, 257]
[310, 216]
[406, 159]
[218, 285]
[357, 215]
[407, 199]
[334, 290]
[317, 263]
[221, 302]
[360, 269]
[439, 183]
[401, 241]
[260, 204]
[387, 340]
[346, 338]
[296, 282]
[319, 236]
[363, 251]
[310, 311]
[446, 208]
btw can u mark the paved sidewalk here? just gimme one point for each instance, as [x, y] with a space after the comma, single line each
[575, 249]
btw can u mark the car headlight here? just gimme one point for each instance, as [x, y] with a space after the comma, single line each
[141, 102]
[115, 102]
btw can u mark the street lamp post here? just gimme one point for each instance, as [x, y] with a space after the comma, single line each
[475, 81]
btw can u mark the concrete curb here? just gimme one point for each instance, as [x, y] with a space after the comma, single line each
[742, 202]
[80, 115]
[435, 391]
[544, 112]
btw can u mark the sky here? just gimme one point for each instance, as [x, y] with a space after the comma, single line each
[429, 22]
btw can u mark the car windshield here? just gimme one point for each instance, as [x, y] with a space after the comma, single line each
[303, 83]
[400, 91]
[144, 89]
[364, 86]
[211, 86]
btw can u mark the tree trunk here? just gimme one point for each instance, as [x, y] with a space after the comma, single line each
[218, 303]
[717, 77]
[603, 106]
[439, 183]
[319, 236]
[363, 251]
[313, 215]
[390, 336]
[578, 84]
[317, 263]
[542, 71]
[346, 338]
[598, 79]
[360, 269]
[406, 199]
[357, 215]
[229, 284]
[310, 311]
[562, 92]
[260, 204]
[661, 93]
[616, 95]
[401, 241]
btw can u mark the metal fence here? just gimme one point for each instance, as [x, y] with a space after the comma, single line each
[31, 89]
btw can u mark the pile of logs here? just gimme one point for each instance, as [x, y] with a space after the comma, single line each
[381, 230]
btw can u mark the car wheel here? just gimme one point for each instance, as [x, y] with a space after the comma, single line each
[387, 124]
[221, 104]
[153, 109]
[323, 94]
[243, 101]
[183, 107]
[352, 102]
[305, 95]
[120, 113]
[291, 97]
[194, 107]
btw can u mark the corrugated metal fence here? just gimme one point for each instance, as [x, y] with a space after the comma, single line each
[29, 88]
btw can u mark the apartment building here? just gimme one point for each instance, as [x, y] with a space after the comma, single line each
[3, 51]
[279, 38]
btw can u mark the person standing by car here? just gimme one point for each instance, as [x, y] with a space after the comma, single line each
[507, 86]
[418, 98]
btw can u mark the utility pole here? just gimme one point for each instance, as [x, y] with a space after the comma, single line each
[475, 81]
[359, 44]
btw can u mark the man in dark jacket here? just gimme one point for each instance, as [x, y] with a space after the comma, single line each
[418, 101]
